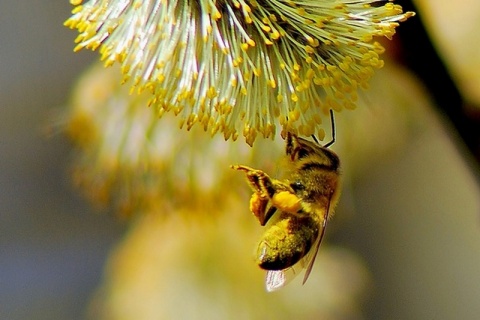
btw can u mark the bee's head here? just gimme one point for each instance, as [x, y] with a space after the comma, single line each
[299, 149]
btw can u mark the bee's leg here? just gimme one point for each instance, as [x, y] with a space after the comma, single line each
[262, 184]
[252, 176]
[256, 180]
[264, 188]
[259, 200]
[264, 208]
[258, 206]
[280, 193]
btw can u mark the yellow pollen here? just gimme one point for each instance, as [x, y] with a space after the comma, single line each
[212, 93]
[310, 58]
[266, 28]
[216, 15]
[275, 35]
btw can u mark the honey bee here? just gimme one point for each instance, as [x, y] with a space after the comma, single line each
[294, 210]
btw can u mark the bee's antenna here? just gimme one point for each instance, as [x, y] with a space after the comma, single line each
[332, 121]
[315, 139]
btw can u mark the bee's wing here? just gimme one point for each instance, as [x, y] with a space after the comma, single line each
[309, 259]
[276, 279]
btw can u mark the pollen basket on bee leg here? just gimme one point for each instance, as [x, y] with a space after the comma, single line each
[258, 205]
[287, 201]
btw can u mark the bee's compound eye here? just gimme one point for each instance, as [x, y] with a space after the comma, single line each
[297, 186]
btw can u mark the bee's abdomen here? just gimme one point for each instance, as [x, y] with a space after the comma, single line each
[286, 242]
